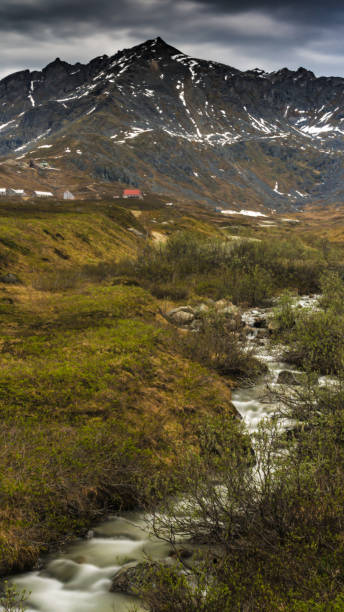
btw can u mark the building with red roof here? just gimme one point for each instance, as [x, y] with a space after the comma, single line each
[132, 193]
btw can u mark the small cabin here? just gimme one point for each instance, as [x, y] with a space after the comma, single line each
[16, 192]
[42, 194]
[132, 193]
[68, 195]
[3, 191]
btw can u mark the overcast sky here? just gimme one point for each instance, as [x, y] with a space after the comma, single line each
[245, 34]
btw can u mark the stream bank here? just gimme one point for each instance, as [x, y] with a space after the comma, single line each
[81, 578]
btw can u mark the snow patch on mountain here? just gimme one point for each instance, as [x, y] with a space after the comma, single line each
[247, 213]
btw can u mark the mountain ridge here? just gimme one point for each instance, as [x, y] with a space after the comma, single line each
[156, 118]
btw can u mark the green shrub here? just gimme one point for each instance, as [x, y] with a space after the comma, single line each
[174, 590]
[332, 289]
[248, 272]
[284, 314]
[218, 345]
[11, 600]
[274, 528]
[317, 342]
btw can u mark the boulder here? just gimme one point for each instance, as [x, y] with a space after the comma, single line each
[225, 306]
[63, 569]
[229, 311]
[181, 316]
[10, 279]
[288, 378]
[128, 578]
[201, 309]
[131, 576]
[221, 304]
[180, 309]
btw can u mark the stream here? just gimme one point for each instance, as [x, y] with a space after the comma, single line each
[80, 578]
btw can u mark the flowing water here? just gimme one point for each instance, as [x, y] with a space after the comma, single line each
[254, 402]
[79, 580]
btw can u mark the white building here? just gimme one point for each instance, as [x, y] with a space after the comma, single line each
[68, 195]
[16, 192]
[3, 191]
[42, 194]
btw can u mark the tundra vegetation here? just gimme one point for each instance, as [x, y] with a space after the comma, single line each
[105, 405]
[248, 272]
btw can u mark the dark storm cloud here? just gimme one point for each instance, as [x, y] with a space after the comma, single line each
[315, 10]
[243, 33]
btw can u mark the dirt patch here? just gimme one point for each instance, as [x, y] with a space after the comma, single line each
[159, 237]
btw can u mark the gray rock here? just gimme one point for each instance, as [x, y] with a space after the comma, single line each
[131, 576]
[182, 318]
[180, 309]
[63, 569]
[229, 310]
[135, 231]
[128, 578]
[220, 304]
[225, 306]
[288, 378]
[201, 309]
[184, 315]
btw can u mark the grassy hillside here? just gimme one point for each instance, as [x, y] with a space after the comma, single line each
[95, 397]
[36, 236]
[98, 393]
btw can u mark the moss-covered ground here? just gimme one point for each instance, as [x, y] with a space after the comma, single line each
[94, 398]
[96, 394]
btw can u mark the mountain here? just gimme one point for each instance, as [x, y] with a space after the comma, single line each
[155, 118]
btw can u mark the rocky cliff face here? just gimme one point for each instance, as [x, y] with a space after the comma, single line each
[158, 119]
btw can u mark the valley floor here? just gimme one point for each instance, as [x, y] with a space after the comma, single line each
[108, 404]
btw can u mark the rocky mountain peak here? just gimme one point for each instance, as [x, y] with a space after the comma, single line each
[152, 48]
[305, 73]
[56, 64]
[156, 118]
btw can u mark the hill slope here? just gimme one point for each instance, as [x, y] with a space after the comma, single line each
[156, 118]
